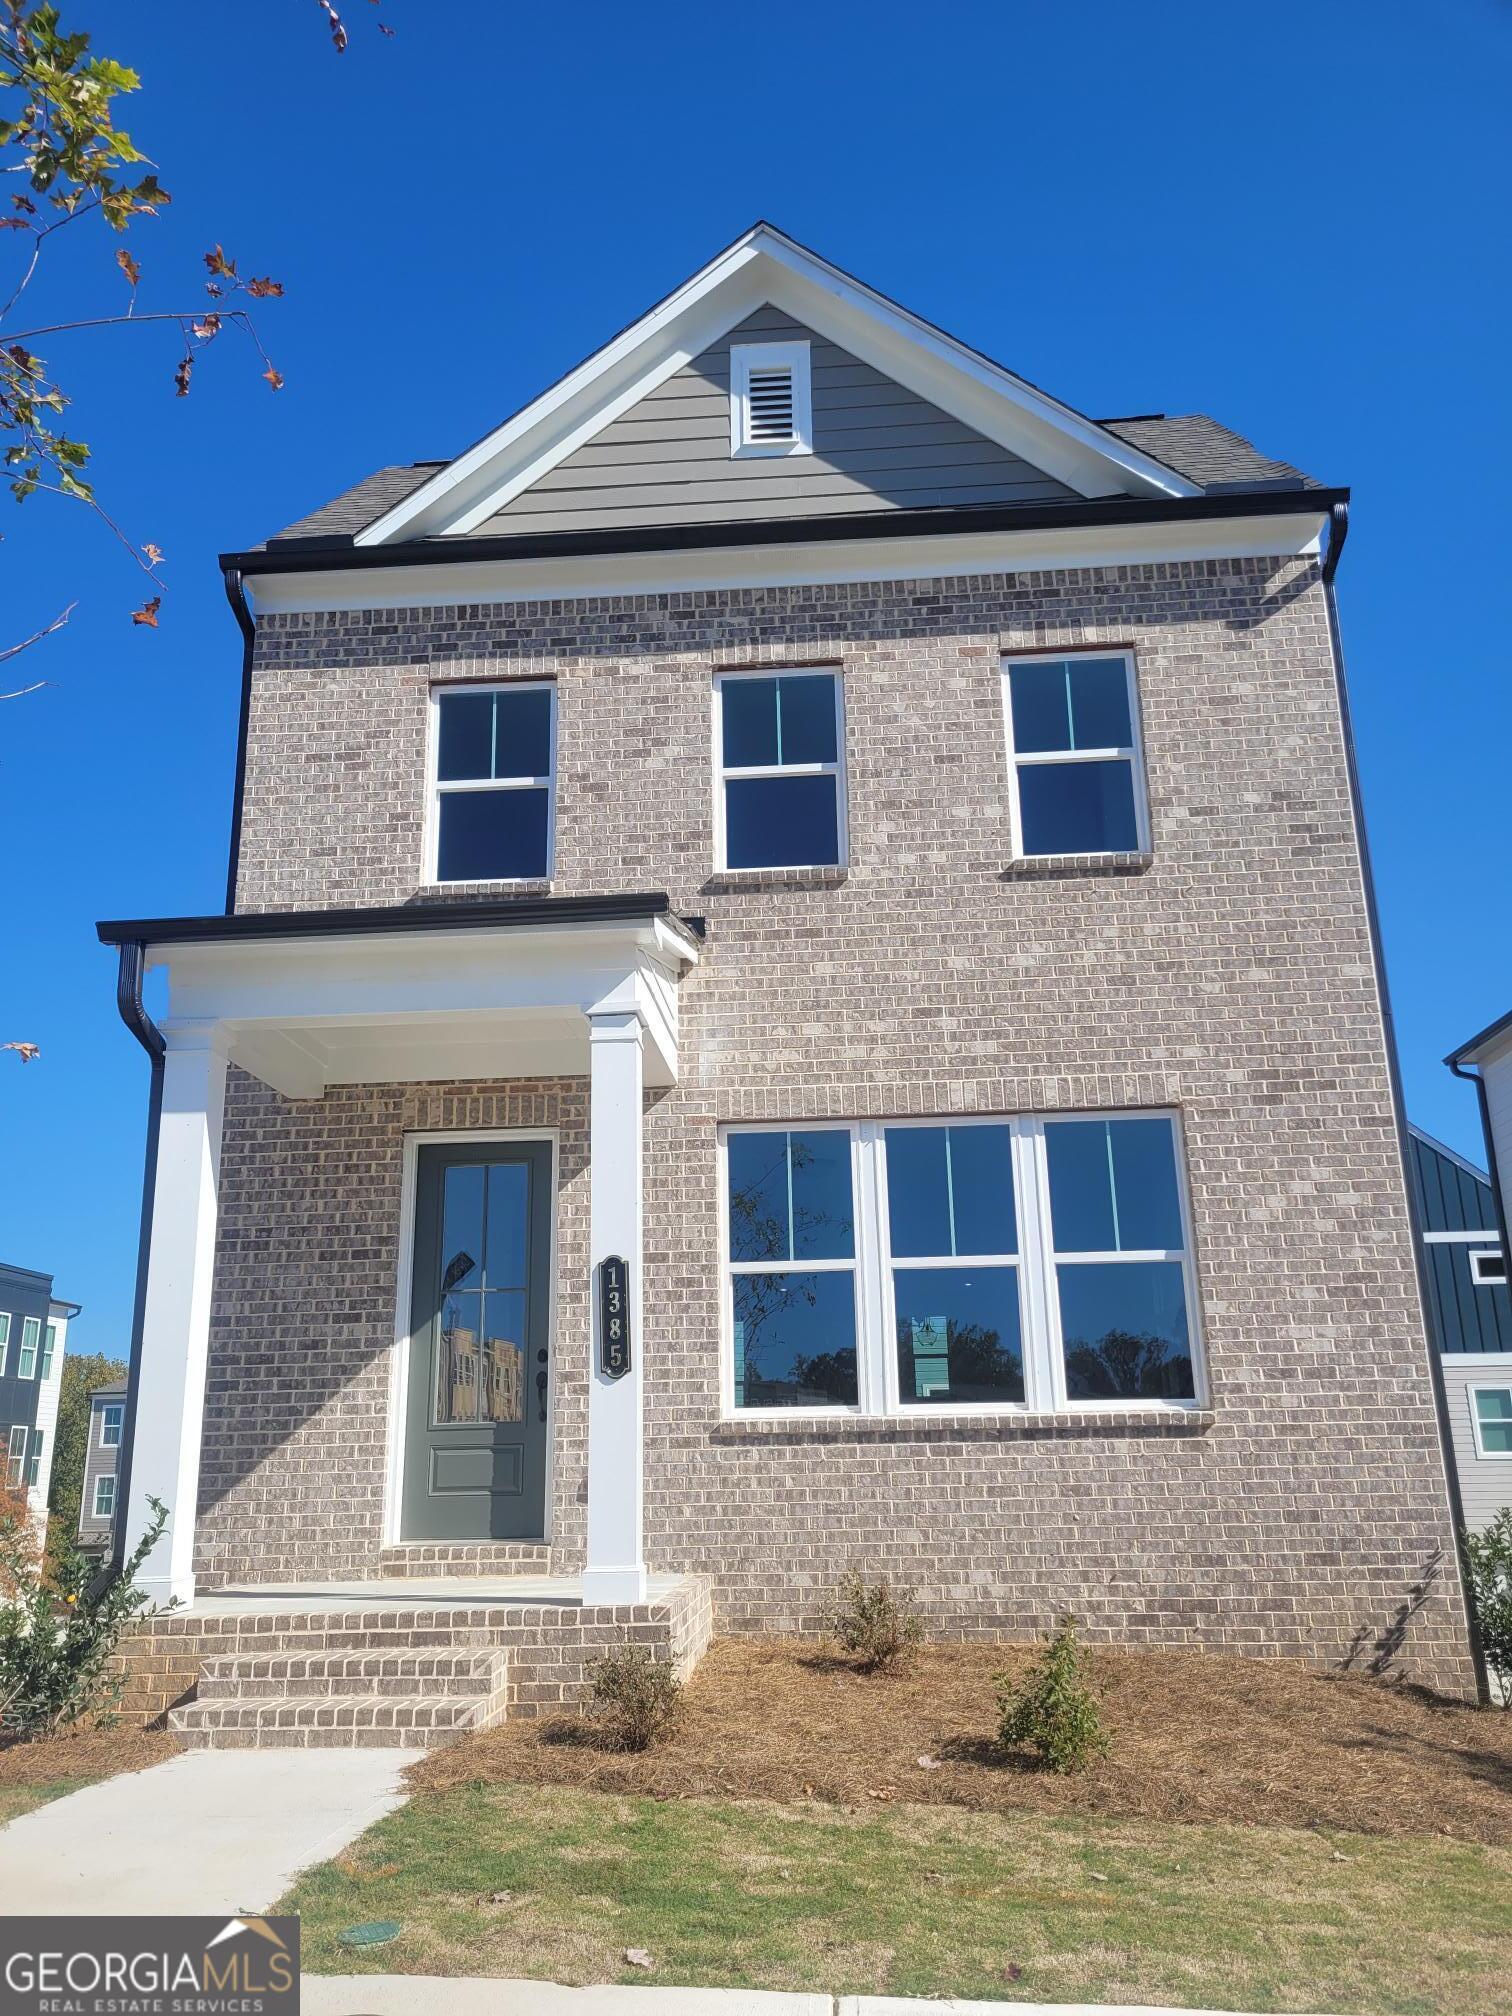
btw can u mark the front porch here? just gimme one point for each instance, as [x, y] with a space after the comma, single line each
[406, 1662]
[369, 1041]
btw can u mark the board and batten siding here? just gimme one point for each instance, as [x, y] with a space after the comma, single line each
[877, 446]
[1496, 1071]
[1485, 1481]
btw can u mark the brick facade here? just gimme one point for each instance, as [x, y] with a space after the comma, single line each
[1229, 976]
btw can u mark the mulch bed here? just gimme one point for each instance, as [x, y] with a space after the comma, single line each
[85, 1753]
[1196, 1737]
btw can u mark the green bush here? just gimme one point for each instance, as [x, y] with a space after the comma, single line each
[879, 1628]
[1054, 1712]
[1488, 1571]
[636, 1699]
[56, 1636]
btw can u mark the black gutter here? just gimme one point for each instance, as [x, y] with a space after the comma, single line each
[1338, 519]
[307, 556]
[236, 595]
[388, 918]
[148, 1034]
[1498, 1195]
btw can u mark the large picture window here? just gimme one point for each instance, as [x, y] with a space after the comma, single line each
[493, 782]
[1073, 750]
[779, 742]
[895, 1267]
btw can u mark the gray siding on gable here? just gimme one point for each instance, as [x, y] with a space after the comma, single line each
[877, 446]
[1485, 1481]
[98, 1462]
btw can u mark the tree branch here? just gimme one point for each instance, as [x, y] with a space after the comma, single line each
[15, 650]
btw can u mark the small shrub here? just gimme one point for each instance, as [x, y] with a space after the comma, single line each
[880, 1629]
[57, 1631]
[1054, 1712]
[1488, 1571]
[636, 1698]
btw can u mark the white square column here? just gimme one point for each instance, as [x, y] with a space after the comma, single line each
[170, 1410]
[616, 1566]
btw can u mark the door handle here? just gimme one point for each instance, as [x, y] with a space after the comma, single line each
[541, 1390]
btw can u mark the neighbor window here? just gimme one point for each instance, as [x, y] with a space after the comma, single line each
[779, 739]
[770, 403]
[49, 1346]
[494, 758]
[31, 1337]
[111, 1417]
[891, 1266]
[1073, 750]
[104, 1498]
[1491, 1415]
[15, 1456]
[34, 1460]
[1488, 1268]
[5, 1323]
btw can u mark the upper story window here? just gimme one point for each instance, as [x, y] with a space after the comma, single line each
[15, 1456]
[49, 1347]
[111, 1417]
[1488, 1268]
[770, 401]
[5, 1323]
[1073, 750]
[779, 742]
[979, 1264]
[1491, 1418]
[31, 1338]
[104, 1498]
[493, 782]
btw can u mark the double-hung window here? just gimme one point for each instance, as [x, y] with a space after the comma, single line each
[1077, 776]
[111, 1417]
[104, 1498]
[31, 1338]
[493, 782]
[5, 1323]
[1491, 1418]
[779, 741]
[892, 1267]
[15, 1456]
[34, 1459]
[49, 1347]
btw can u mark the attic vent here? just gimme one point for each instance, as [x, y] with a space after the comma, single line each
[769, 399]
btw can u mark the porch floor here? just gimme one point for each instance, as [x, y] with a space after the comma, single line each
[410, 1592]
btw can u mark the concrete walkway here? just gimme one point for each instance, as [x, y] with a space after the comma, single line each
[424, 1995]
[211, 1831]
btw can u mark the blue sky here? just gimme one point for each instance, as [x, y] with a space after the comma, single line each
[1291, 221]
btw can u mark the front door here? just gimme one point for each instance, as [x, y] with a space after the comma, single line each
[475, 1451]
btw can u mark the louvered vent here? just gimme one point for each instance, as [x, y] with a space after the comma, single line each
[771, 404]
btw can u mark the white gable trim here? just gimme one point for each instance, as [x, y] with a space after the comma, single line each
[766, 267]
[909, 557]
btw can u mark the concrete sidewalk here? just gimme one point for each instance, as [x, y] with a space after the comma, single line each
[211, 1831]
[426, 1995]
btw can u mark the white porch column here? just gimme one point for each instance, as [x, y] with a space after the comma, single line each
[616, 1567]
[165, 1458]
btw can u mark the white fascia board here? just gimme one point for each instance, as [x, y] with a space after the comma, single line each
[765, 266]
[919, 556]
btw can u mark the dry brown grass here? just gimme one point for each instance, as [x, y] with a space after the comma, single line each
[33, 1772]
[1195, 1737]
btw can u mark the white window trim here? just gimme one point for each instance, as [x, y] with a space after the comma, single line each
[34, 1459]
[97, 1510]
[741, 772]
[794, 357]
[1133, 755]
[1486, 1386]
[108, 1407]
[1479, 1277]
[877, 1386]
[5, 1330]
[31, 1346]
[49, 1349]
[15, 1457]
[435, 789]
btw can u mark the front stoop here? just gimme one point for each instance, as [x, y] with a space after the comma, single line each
[246, 1669]
[416, 1699]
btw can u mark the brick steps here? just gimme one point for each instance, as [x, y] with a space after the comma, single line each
[418, 1698]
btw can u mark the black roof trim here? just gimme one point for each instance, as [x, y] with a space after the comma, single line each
[461, 916]
[306, 556]
[1492, 1029]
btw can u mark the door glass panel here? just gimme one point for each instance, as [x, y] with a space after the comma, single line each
[462, 1227]
[508, 1195]
[457, 1358]
[501, 1388]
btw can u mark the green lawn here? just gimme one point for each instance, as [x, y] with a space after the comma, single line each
[919, 1900]
[16, 1799]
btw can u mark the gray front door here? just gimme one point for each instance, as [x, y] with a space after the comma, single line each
[475, 1451]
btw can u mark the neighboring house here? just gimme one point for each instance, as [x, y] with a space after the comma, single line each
[1480, 1391]
[33, 1339]
[97, 1500]
[799, 989]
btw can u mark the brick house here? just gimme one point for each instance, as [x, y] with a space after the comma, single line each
[798, 986]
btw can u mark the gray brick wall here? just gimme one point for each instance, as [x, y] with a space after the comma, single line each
[1230, 977]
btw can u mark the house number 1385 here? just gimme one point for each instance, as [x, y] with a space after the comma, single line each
[614, 1317]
